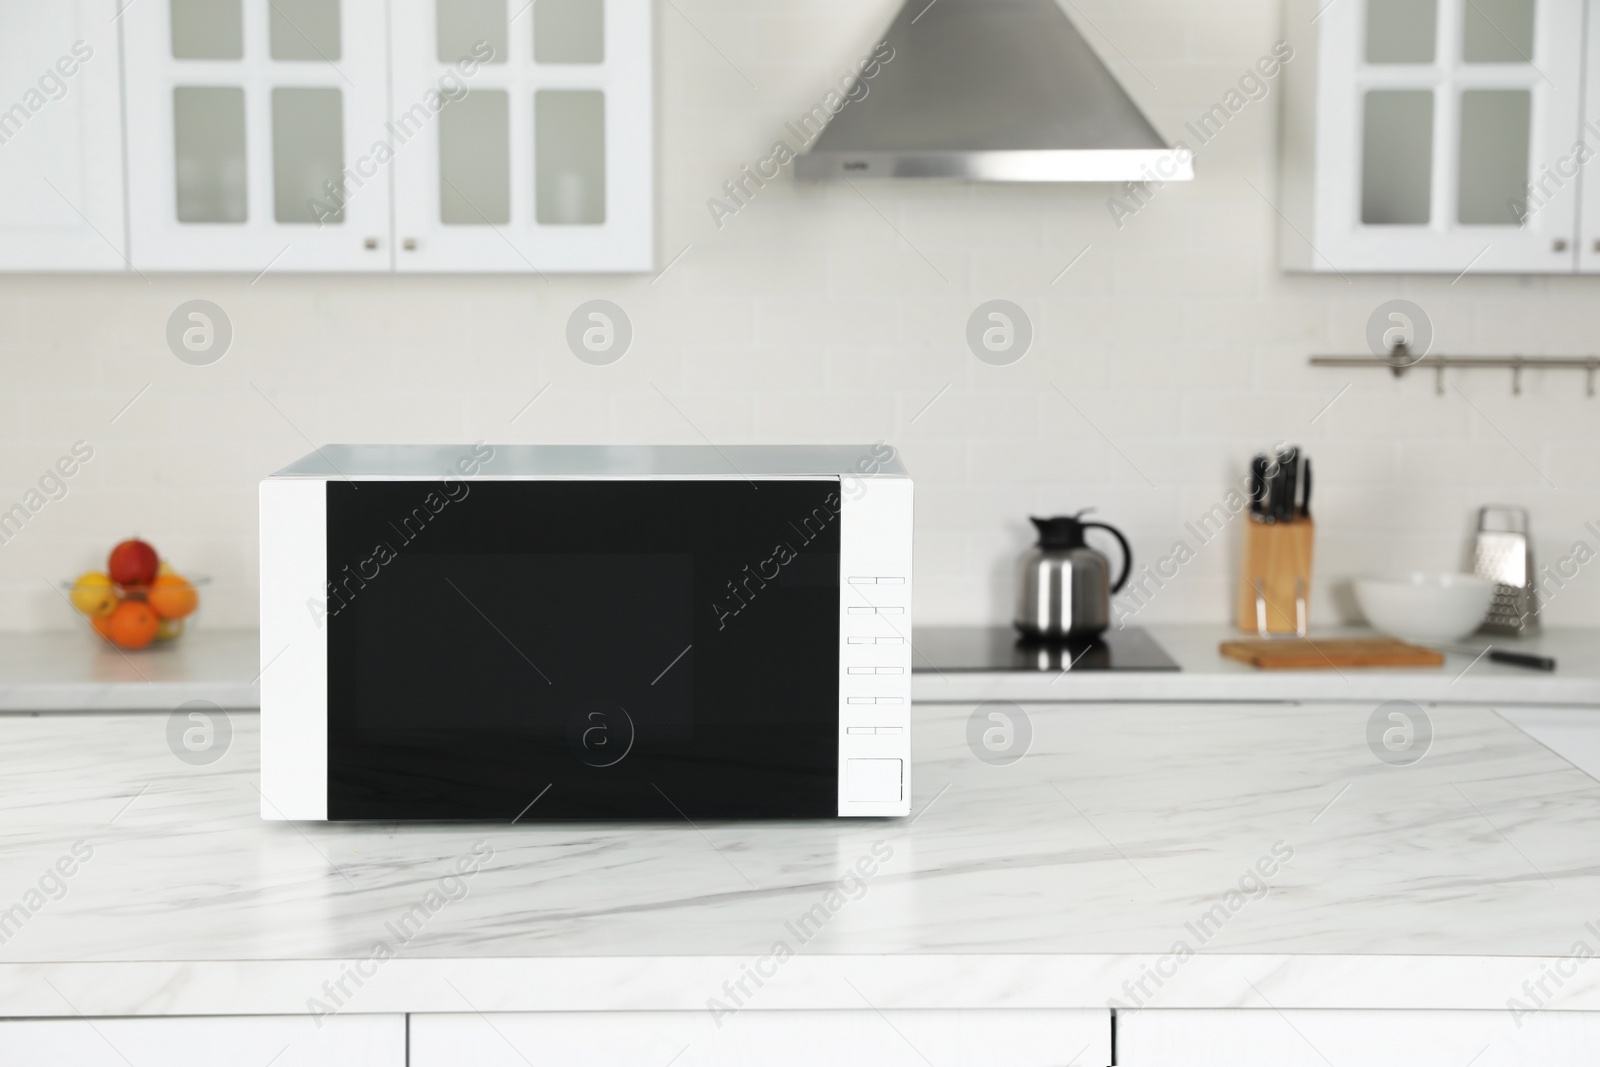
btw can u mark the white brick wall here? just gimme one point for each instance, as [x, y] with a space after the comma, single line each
[808, 318]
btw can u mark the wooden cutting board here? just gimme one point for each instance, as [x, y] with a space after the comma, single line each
[1302, 654]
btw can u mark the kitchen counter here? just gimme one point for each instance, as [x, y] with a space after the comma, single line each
[1205, 675]
[76, 672]
[1059, 880]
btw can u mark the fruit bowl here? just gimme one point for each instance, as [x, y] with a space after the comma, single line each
[139, 600]
[132, 629]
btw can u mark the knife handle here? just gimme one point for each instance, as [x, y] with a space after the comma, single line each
[1288, 461]
[1258, 487]
[1523, 659]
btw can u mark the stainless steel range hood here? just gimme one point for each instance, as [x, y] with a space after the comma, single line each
[990, 90]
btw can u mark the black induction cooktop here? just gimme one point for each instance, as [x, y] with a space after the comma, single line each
[1000, 648]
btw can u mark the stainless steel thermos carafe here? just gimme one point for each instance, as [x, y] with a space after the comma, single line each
[1065, 588]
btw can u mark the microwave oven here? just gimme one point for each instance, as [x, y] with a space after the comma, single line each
[526, 633]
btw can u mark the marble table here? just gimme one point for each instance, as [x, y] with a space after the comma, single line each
[1251, 855]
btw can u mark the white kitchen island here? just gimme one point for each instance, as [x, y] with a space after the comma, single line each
[1199, 884]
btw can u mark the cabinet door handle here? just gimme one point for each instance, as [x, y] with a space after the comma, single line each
[410, 244]
[370, 244]
[1559, 244]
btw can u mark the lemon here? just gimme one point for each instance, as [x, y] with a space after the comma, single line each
[93, 594]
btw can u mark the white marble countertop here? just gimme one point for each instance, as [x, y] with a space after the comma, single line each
[78, 671]
[1206, 675]
[1058, 880]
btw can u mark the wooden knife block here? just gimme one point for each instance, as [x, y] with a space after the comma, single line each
[1277, 561]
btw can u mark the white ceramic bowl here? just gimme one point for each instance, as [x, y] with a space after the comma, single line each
[1419, 606]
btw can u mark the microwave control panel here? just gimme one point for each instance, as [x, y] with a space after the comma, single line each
[875, 650]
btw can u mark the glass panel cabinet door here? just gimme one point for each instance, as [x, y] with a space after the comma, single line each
[60, 137]
[527, 131]
[1587, 164]
[1439, 124]
[262, 138]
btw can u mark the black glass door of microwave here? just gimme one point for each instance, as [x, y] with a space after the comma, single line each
[541, 650]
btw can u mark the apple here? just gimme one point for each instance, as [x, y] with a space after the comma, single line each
[133, 562]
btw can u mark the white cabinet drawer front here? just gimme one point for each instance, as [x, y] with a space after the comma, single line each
[206, 1041]
[1317, 1038]
[771, 1038]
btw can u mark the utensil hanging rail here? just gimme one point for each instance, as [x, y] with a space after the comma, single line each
[1399, 360]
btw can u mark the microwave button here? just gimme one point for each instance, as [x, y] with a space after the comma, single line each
[872, 780]
[859, 700]
[864, 640]
[863, 670]
[860, 729]
[862, 580]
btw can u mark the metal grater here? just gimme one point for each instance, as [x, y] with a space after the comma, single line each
[1503, 553]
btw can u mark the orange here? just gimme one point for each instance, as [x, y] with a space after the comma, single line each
[102, 624]
[92, 594]
[132, 625]
[171, 596]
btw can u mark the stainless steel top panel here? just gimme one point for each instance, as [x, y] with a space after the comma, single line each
[599, 461]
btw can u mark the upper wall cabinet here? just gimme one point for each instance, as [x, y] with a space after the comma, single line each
[541, 156]
[1589, 240]
[60, 137]
[1439, 136]
[245, 117]
[327, 135]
